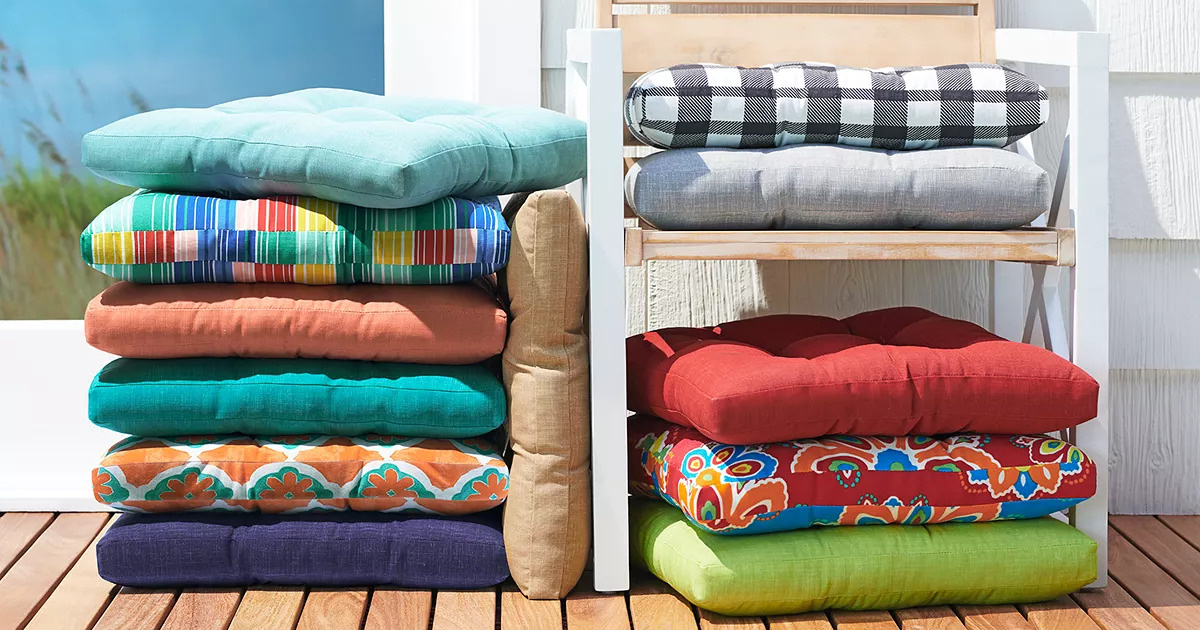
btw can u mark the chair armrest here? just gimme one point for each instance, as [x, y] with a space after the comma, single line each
[1077, 49]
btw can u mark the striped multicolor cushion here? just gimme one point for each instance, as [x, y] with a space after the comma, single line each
[164, 238]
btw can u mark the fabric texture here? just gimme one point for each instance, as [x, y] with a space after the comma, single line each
[161, 238]
[820, 187]
[301, 473]
[346, 549]
[895, 371]
[862, 568]
[446, 325]
[547, 520]
[709, 105]
[851, 480]
[167, 397]
[344, 146]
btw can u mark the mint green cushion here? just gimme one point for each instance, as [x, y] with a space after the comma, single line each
[344, 146]
[869, 567]
[171, 397]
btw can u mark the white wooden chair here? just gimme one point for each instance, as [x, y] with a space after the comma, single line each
[601, 60]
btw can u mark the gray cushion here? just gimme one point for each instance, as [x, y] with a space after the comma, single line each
[812, 187]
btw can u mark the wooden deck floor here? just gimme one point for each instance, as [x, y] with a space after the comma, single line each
[48, 581]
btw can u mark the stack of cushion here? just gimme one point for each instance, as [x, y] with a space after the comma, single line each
[801, 463]
[803, 146]
[358, 417]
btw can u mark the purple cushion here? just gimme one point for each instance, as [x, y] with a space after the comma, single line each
[333, 549]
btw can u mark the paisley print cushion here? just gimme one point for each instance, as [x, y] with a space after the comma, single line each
[301, 473]
[843, 480]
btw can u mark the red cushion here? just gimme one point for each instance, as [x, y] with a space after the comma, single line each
[897, 371]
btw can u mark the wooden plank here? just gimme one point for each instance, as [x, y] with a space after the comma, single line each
[653, 604]
[657, 41]
[333, 608]
[1170, 552]
[1155, 136]
[17, 531]
[81, 596]
[1170, 397]
[703, 293]
[269, 608]
[517, 611]
[1151, 37]
[928, 618]
[992, 618]
[137, 609]
[1060, 614]
[1169, 602]
[802, 621]
[31, 578]
[464, 610]
[1026, 245]
[633, 246]
[712, 621]
[958, 289]
[841, 288]
[862, 620]
[1112, 608]
[203, 609]
[986, 10]
[399, 608]
[1154, 278]
[1186, 527]
[589, 610]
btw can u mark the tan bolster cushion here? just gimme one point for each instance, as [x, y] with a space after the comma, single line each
[547, 519]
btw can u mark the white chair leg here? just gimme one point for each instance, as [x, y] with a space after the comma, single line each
[594, 95]
[1090, 334]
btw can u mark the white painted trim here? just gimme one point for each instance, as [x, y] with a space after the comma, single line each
[594, 96]
[1056, 48]
[485, 51]
[1086, 56]
[1088, 131]
[50, 447]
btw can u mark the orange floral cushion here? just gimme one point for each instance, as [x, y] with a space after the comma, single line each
[375, 473]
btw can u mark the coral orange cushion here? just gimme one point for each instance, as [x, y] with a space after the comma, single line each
[441, 324]
[897, 371]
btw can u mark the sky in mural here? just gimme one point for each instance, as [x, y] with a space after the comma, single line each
[74, 66]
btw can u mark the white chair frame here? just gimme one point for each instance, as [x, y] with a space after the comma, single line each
[594, 95]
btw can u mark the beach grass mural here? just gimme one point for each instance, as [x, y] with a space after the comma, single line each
[44, 205]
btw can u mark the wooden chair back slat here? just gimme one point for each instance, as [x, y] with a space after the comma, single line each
[853, 39]
[869, 41]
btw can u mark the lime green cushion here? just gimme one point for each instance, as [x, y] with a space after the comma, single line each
[172, 397]
[362, 149]
[865, 567]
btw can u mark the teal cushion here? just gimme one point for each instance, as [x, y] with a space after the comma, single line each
[171, 397]
[344, 146]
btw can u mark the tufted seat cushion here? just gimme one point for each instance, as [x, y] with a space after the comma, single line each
[822, 187]
[897, 371]
[313, 549]
[861, 568]
[855, 480]
[345, 146]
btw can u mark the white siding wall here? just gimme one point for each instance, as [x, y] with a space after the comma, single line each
[1155, 189]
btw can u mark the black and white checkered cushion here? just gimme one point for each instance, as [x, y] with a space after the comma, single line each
[708, 105]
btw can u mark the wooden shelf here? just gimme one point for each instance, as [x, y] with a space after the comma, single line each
[1031, 245]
